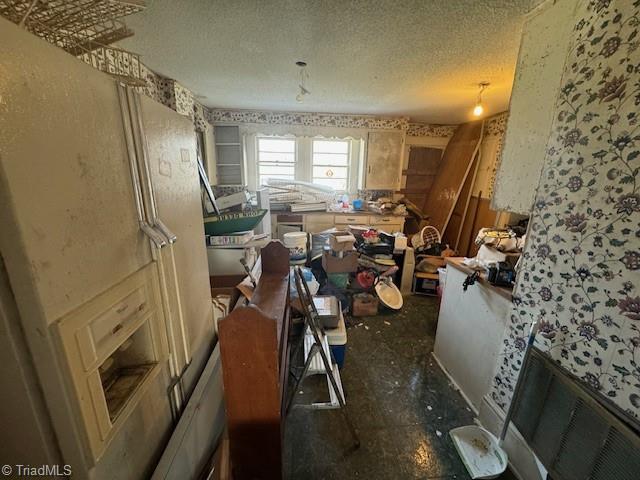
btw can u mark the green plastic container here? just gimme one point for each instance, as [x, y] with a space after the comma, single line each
[340, 280]
[233, 222]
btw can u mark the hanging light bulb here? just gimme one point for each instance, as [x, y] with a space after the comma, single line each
[479, 109]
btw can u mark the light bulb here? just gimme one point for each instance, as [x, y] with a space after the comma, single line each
[477, 110]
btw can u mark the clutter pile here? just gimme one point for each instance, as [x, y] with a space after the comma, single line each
[387, 206]
[430, 254]
[298, 196]
[235, 221]
[360, 265]
[499, 254]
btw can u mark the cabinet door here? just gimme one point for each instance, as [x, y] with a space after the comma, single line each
[384, 154]
[543, 50]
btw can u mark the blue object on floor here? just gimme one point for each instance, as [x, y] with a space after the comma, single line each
[339, 352]
[337, 338]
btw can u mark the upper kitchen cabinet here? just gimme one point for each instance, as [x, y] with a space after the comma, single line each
[384, 154]
[543, 50]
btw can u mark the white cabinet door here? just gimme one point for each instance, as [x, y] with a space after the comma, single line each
[384, 156]
[543, 50]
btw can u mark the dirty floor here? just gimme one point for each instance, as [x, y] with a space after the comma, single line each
[401, 403]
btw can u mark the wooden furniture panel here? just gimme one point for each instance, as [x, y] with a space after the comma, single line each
[460, 214]
[454, 168]
[254, 354]
[420, 173]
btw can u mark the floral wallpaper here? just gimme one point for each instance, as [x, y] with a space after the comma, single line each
[157, 87]
[200, 117]
[184, 100]
[580, 275]
[217, 115]
[494, 130]
[430, 130]
[496, 125]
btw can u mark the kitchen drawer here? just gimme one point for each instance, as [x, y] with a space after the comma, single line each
[388, 227]
[351, 220]
[379, 219]
[289, 218]
[318, 218]
[318, 227]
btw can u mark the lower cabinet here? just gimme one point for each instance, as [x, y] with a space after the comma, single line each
[315, 223]
[471, 327]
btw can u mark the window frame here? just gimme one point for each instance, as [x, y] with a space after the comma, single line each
[276, 137]
[303, 164]
[349, 163]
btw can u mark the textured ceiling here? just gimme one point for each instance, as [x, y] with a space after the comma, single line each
[417, 58]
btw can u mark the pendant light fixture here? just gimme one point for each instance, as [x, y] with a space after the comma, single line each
[479, 109]
[303, 76]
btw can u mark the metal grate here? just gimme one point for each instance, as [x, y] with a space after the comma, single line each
[574, 434]
[83, 28]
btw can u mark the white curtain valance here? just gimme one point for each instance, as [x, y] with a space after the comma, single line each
[305, 131]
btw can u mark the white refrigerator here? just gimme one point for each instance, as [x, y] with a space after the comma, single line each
[105, 305]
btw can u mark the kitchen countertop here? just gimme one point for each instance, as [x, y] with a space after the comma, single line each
[456, 262]
[343, 212]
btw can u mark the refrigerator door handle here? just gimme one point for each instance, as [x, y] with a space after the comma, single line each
[157, 239]
[164, 230]
[145, 174]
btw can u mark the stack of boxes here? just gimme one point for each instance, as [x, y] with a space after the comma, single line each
[339, 258]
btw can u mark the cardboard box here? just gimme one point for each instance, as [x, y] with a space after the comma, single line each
[334, 264]
[364, 305]
[341, 241]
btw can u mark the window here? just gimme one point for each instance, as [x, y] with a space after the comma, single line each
[330, 163]
[276, 159]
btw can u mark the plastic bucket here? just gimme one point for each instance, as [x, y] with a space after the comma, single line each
[296, 242]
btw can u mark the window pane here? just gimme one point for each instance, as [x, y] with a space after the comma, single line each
[276, 157]
[330, 159]
[336, 183]
[263, 179]
[330, 146]
[276, 145]
[275, 170]
[330, 172]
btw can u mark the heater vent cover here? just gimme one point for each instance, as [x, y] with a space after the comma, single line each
[575, 435]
